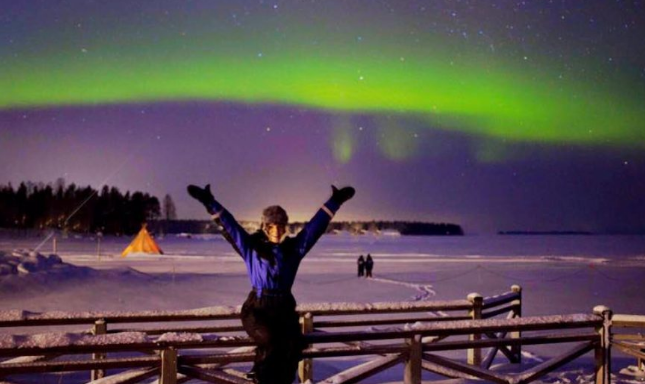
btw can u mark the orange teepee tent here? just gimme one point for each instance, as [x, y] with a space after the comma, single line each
[142, 243]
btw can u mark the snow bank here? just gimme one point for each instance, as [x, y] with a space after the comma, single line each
[24, 262]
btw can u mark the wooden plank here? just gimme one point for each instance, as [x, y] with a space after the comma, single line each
[220, 358]
[500, 347]
[127, 377]
[355, 351]
[467, 369]
[490, 356]
[328, 309]
[603, 348]
[516, 350]
[445, 371]
[474, 355]
[25, 318]
[101, 345]
[363, 344]
[446, 345]
[29, 359]
[360, 372]
[161, 331]
[495, 301]
[79, 365]
[628, 336]
[632, 352]
[334, 351]
[168, 366]
[553, 364]
[100, 328]
[412, 371]
[465, 327]
[312, 338]
[368, 322]
[218, 377]
[628, 321]
[627, 344]
[536, 340]
[305, 366]
[47, 319]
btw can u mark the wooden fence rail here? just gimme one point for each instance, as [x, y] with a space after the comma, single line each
[207, 353]
[314, 318]
[627, 335]
[177, 356]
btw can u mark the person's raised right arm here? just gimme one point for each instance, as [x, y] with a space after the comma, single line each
[234, 233]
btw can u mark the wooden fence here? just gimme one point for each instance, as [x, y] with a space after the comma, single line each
[177, 353]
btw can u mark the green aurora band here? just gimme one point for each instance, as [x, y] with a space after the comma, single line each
[446, 84]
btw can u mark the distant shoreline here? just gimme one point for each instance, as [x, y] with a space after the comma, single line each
[523, 233]
[375, 227]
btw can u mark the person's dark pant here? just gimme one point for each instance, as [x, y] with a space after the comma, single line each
[361, 271]
[272, 322]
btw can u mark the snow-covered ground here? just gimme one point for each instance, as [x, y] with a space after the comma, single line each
[559, 275]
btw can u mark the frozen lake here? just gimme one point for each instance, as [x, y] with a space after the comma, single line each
[584, 270]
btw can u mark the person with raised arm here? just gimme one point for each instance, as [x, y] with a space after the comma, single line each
[272, 259]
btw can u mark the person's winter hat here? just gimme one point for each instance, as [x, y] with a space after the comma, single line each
[274, 214]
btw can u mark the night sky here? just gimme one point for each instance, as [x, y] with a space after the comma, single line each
[497, 115]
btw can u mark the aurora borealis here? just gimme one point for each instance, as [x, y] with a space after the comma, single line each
[511, 84]
[438, 62]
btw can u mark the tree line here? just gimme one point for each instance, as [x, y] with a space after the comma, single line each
[75, 208]
[109, 211]
[352, 227]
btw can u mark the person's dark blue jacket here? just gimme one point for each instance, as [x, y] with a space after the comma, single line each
[273, 267]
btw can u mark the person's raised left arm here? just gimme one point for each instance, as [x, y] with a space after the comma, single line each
[317, 226]
[233, 231]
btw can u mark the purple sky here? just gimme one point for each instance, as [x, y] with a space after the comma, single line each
[257, 155]
[513, 115]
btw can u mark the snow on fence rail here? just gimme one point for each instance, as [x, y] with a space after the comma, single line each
[203, 353]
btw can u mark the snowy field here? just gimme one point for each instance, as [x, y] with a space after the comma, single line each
[558, 274]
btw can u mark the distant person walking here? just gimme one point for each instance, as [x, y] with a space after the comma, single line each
[361, 266]
[272, 260]
[369, 265]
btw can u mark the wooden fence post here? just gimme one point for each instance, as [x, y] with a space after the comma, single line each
[412, 373]
[168, 366]
[305, 366]
[475, 313]
[100, 328]
[603, 349]
[516, 350]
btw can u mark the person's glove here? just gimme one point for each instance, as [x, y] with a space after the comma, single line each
[204, 196]
[340, 196]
